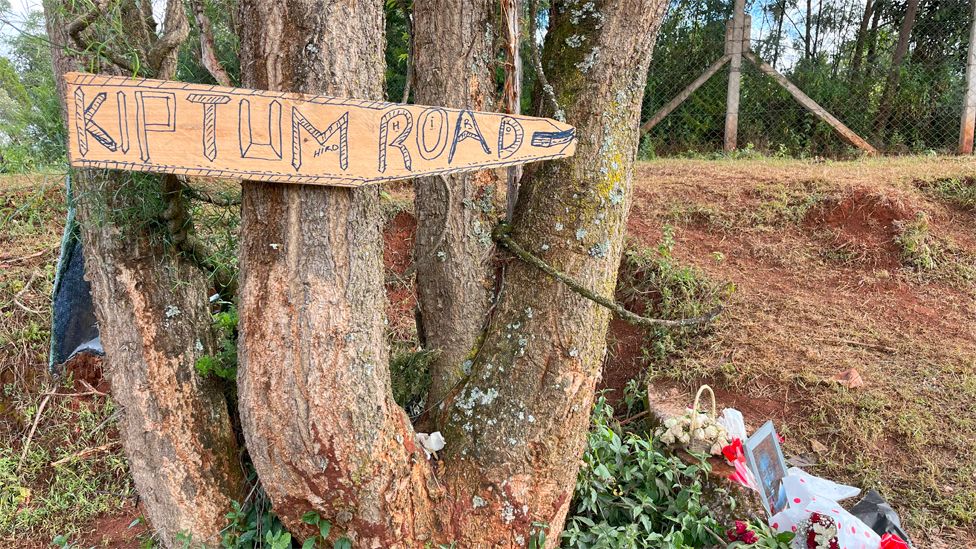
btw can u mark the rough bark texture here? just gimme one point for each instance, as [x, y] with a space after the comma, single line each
[454, 67]
[154, 320]
[321, 426]
[518, 428]
[315, 400]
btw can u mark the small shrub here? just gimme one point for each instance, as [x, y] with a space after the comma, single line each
[654, 284]
[223, 364]
[916, 244]
[410, 376]
[631, 495]
[958, 191]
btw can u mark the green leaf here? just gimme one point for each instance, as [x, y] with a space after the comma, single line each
[309, 543]
[324, 527]
[311, 517]
[343, 543]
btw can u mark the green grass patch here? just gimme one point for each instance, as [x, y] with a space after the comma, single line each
[957, 191]
[653, 283]
[58, 486]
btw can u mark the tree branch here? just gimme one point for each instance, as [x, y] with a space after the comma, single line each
[547, 89]
[502, 235]
[221, 201]
[208, 55]
[162, 56]
[82, 22]
[183, 237]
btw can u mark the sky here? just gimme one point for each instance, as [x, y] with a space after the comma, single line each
[14, 17]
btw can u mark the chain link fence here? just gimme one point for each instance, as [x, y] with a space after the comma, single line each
[893, 71]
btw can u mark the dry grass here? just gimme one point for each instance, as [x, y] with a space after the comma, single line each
[824, 285]
[53, 488]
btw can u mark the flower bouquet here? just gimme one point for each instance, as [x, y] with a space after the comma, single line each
[698, 432]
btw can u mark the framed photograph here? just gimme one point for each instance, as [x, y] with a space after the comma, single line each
[765, 459]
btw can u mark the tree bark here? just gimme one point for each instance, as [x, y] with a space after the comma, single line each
[154, 320]
[315, 396]
[320, 423]
[894, 72]
[862, 36]
[517, 429]
[454, 67]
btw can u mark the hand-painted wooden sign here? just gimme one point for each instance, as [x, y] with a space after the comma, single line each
[174, 127]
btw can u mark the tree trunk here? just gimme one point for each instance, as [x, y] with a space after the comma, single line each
[454, 67]
[862, 36]
[518, 427]
[154, 320]
[318, 414]
[777, 44]
[872, 56]
[320, 423]
[808, 32]
[894, 72]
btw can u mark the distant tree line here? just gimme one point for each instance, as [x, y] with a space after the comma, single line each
[892, 70]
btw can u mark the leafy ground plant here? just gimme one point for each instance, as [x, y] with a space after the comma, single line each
[631, 495]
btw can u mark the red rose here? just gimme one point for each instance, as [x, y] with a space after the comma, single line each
[733, 450]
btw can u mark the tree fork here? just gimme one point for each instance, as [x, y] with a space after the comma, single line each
[453, 61]
[315, 397]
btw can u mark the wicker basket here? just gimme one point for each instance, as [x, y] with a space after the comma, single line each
[695, 445]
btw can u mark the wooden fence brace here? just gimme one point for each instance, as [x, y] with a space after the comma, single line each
[967, 124]
[685, 94]
[811, 105]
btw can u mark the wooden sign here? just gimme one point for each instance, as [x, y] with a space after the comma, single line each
[173, 127]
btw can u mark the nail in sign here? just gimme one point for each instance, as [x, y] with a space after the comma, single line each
[191, 129]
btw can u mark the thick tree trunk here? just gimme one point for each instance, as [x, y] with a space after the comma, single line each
[154, 320]
[318, 414]
[518, 427]
[454, 67]
[320, 423]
